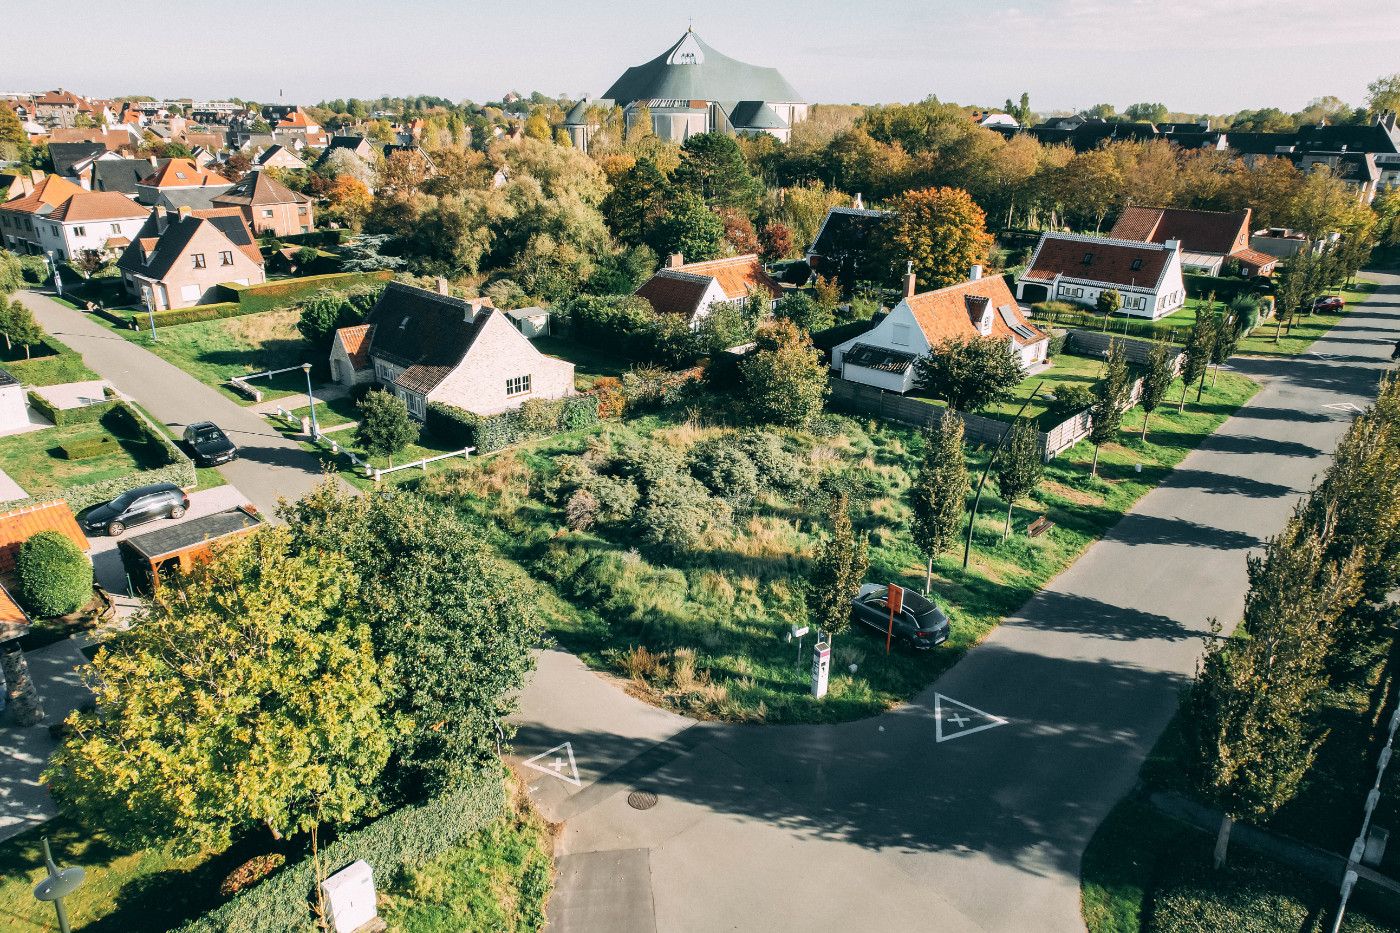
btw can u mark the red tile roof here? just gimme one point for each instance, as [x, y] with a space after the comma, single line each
[1254, 258]
[1111, 261]
[355, 340]
[679, 289]
[183, 173]
[948, 313]
[20, 525]
[1221, 232]
[97, 205]
[51, 191]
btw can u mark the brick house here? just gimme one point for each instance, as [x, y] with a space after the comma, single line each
[268, 205]
[982, 306]
[692, 289]
[1209, 239]
[1075, 268]
[427, 346]
[178, 258]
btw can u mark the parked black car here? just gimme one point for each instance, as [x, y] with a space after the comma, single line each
[208, 444]
[135, 507]
[919, 624]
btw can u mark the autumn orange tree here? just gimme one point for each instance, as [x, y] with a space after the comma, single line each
[941, 231]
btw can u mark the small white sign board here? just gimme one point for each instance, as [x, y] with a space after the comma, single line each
[557, 762]
[350, 897]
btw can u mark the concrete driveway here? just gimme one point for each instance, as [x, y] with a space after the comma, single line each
[269, 466]
[969, 808]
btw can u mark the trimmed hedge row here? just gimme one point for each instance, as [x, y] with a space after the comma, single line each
[536, 418]
[178, 468]
[410, 836]
[252, 299]
[62, 417]
[86, 449]
[1225, 288]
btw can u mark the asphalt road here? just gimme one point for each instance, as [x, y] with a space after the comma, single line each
[878, 824]
[269, 465]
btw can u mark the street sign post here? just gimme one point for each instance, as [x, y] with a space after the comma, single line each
[895, 597]
[821, 668]
[797, 632]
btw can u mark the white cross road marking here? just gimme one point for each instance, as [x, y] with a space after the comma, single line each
[956, 715]
[564, 770]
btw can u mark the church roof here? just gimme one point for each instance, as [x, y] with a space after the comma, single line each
[692, 70]
[755, 115]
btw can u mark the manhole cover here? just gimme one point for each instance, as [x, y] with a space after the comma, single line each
[641, 800]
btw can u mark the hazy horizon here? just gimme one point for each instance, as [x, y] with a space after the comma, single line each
[1190, 56]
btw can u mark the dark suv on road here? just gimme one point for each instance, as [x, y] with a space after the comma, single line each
[135, 507]
[208, 444]
[919, 624]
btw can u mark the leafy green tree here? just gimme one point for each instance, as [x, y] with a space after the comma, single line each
[837, 573]
[327, 311]
[635, 207]
[970, 373]
[691, 229]
[784, 378]
[1200, 344]
[17, 326]
[1251, 717]
[941, 231]
[1383, 94]
[1110, 398]
[246, 695]
[804, 311]
[1020, 466]
[938, 495]
[385, 426]
[1109, 301]
[14, 141]
[1227, 339]
[55, 578]
[1146, 113]
[442, 605]
[713, 167]
[1157, 377]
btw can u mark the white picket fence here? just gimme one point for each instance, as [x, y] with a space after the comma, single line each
[376, 474]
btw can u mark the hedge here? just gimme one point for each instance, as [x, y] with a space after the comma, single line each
[410, 836]
[252, 299]
[178, 468]
[1224, 287]
[85, 449]
[537, 418]
[62, 417]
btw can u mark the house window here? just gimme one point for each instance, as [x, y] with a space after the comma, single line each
[414, 401]
[116, 228]
[899, 335]
[267, 212]
[80, 231]
[1137, 264]
[226, 258]
[198, 259]
[1079, 293]
[519, 385]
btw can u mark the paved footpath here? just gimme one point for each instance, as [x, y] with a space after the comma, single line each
[938, 815]
[269, 465]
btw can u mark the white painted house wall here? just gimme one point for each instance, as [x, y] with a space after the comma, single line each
[898, 331]
[1153, 301]
[69, 239]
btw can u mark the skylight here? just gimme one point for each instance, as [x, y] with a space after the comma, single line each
[1137, 264]
[1088, 258]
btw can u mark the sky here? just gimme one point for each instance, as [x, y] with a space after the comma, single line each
[1206, 56]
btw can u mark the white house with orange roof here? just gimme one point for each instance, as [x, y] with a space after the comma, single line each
[983, 306]
[101, 222]
[20, 219]
[692, 290]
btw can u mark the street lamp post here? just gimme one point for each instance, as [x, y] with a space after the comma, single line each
[977, 500]
[58, 885]
[311, 399]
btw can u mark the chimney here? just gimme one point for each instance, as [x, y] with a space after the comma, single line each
[1174, 245]
[161, 219]
[35, 177]
[155, 163]
[443, 286]
[1387, 120]
[976, 273]
[911, 281]
[858, 203]
[183, 211]
[675, 261]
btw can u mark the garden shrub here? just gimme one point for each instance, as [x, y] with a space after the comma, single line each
[725, 469]
[90, 447]
[55, 577]
[87, 414]
[675, 512]
[34, 269]
[406, 837]
[776, 467]
[1250, 896]
[1072, 398]
[1056, 345]
[536, 418]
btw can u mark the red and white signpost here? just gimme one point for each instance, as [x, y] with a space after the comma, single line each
[895, 598]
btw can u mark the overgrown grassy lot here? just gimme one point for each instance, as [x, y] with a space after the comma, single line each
[33, 459]
[497, 882]
[215, 351]
[688, 591]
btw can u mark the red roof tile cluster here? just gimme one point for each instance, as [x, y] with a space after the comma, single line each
[355, 340]
[679, 289]
[183, 173]
[1221, 232]
[1098, 259]
[97, 205]
[950, 313]
[20, 525]
[51, 191]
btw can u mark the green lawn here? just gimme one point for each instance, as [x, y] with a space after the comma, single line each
[48, 364]
[215, 351]
[589, 362]
[1066, 369]
[329, 414]
[712, 620]
[498, 881]
[205, 477]
[33, 459]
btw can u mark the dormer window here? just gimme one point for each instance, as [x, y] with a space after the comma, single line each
[1088, 258]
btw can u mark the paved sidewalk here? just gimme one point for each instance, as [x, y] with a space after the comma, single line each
[269, 466]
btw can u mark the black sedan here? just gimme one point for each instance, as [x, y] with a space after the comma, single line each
[919, 624]
[208, 444]
[135, 507]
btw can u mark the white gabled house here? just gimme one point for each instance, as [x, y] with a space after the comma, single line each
[690, 290]
[1075, 268]
[884, 356]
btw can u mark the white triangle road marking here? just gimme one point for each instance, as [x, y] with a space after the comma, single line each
[1351, 407]
[557, 762]
[955, 716]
